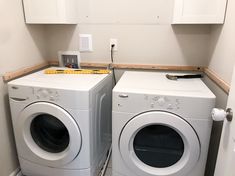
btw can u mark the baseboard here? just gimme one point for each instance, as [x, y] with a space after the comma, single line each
[16, 172]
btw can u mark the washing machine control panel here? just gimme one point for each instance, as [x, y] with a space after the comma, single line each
[46, 94]
[161, 101]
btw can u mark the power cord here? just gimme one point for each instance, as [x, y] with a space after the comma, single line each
[114, 77]
[103, 170]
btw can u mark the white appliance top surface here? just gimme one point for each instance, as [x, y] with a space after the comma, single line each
[157, 83]
[81, 82]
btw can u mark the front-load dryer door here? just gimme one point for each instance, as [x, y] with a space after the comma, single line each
[48, 135]
[159, 143]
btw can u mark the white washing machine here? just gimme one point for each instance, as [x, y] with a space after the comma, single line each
[160, 127]
[62, 123]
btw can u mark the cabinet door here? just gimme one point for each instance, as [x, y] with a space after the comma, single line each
[199, 11]
[50, 11]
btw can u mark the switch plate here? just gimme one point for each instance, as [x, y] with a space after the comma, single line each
[113, 42]
[85, 42]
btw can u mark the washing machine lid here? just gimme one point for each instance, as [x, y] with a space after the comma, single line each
[157, 83]
[159, 143]
[48, 135]
[80, 82]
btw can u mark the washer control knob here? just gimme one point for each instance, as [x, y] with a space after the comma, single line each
[170, 106]
[52, 98]
[44, 93]
[161, 101]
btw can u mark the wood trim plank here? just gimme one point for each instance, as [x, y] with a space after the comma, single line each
[158, 67]
[23, 71]
[211, 74]
[217, 80]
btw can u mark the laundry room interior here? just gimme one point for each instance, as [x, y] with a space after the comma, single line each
[159, 37]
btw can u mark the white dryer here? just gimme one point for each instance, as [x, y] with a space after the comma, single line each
[160, 127]
[62, 123]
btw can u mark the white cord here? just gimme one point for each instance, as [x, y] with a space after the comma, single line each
[102, 173]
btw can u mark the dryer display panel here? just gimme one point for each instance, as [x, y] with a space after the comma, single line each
[158, 146]
[49, 133]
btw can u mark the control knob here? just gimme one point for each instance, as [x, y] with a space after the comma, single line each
[44, 93]
[161, 101]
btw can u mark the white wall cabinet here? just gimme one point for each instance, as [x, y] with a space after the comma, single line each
[51, 11]
[199, 11]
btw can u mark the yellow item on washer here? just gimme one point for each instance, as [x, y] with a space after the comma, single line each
[76, 71]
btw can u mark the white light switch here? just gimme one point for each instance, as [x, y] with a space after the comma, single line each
[85, 42]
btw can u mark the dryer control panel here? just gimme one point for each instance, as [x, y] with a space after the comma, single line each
[183, 106]
[164, 102]
[146, 102]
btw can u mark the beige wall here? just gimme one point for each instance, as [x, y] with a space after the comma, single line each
[222, 51]
[20, 46]
[143, 30]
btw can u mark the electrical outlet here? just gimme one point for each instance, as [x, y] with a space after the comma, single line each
[115, 43]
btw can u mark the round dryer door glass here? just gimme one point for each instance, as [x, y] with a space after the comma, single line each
[49, 133]
[159, 143]
[158, 146]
